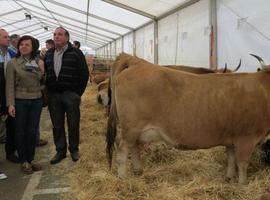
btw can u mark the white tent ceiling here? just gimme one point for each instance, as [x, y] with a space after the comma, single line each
[92, 22]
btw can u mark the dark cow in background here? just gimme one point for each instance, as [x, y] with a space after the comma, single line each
[188, 111]
[202, 70]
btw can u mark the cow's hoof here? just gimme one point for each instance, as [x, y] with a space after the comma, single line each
[138, 172]
[243, 182]
[121, 177]
[265, 196]
[230, 179]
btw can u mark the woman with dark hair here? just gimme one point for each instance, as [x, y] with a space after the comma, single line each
[23, 93]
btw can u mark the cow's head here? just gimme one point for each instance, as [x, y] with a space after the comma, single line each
[263, 65]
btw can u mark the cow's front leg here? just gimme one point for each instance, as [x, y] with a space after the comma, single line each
[231, 165]
[121, 159]
[136, 159]
[243, 152]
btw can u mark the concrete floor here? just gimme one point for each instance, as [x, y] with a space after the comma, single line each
[48, 184]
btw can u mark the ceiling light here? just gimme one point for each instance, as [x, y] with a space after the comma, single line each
[27, 16]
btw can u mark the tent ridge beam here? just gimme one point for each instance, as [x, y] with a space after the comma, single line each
[11, 12]
[26, 10]
[29, 32]
[87, 19]
[88, 39]
[108, 31]
[12, 24]
[72, 31]
[43, 33]
[75, 20]
[24, 28]
[69, 25]
[49, 12]
[139, 12]
[182, 6]
[91, 15]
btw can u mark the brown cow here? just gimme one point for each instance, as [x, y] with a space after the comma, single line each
[188, 111]
[265, 196]
[99, 77]
[102, 96]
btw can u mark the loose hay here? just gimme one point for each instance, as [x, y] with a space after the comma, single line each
[169, 174]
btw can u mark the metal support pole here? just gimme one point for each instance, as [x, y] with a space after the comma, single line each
[213, 34]
[122, 44]
[155, 42]
[134, 43]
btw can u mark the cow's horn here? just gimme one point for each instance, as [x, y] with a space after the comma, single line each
[238, 65]
[225, 68]
[259, 59]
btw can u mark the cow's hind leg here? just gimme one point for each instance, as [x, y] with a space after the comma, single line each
[231, 167]
[136, 159]
[121, 159]
[243, 151]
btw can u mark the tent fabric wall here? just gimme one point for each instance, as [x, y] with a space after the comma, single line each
[139, 43]
[94, 23]
[194, 35]
[107, 51]
[155, 8]
[128, 43]
[167, 40]
[113, 50]
[243, 28]
[98, 51]
[184, 36]
[119, 46]
[145, 43]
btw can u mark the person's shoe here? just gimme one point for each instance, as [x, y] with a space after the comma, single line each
[2, 176]
[3, 140]
[75, 156]
[36, 167]
[57, 158]
[41, 143]
[12, 158]
[27, 168]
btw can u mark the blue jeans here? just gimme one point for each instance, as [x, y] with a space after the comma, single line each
[26, 123]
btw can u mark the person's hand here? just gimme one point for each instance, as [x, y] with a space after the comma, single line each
[41, 65]
[11, 111]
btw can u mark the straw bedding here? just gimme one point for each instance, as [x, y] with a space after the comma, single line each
[169, 174]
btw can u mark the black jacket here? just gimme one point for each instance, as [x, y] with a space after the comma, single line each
[2, 89]
[73, 75]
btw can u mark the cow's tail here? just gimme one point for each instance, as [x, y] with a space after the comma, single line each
[109, 92]
[121, 63]
[111, 133]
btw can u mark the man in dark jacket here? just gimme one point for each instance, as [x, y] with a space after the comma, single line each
[66, 79]
[6, 54]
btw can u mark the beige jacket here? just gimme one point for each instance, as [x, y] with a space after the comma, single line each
[22, 83]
